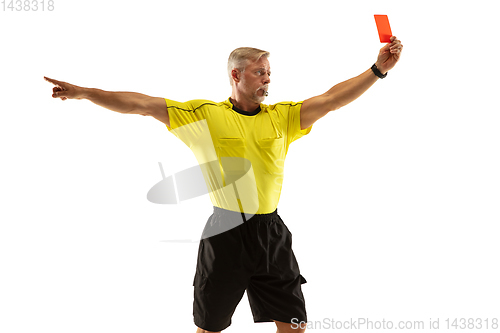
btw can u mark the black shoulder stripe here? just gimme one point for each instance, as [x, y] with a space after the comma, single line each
[288, 103]
[173, 106]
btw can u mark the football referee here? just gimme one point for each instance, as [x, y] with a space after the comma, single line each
[245, 245]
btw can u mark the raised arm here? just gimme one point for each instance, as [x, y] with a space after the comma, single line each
[345, 92]
[118, 101]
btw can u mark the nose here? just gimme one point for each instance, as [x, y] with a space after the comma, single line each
[266, 79]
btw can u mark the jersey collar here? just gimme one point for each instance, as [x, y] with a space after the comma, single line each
[245, 113]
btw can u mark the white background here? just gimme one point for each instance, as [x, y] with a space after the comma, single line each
[392, 200]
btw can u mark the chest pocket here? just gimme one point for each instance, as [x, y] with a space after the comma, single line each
[271, 151]
[232, 153]
[231, 147]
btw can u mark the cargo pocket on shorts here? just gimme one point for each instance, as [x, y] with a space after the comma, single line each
[199, 281]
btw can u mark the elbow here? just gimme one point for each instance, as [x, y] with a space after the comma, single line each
[333, 107]
[140, 106]
[331, 103]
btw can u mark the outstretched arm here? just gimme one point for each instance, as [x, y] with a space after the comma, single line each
[119, 101]
[347, 91]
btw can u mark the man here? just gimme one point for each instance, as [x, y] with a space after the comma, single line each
[245, 245]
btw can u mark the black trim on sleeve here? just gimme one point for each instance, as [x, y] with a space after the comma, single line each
[193, 110]
[290, 104]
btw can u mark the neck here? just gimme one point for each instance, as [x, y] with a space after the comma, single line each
[242, 103]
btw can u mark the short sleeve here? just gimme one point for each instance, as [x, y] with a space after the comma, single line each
[184, 113]
[293, 131]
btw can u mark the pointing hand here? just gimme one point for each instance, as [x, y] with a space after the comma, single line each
[65, 90]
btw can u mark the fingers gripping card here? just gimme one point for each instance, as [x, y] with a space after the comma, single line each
[384, 28]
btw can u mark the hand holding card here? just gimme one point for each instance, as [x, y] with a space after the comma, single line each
[384, 28]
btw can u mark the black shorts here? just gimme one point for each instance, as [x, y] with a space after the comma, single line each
[256, 256]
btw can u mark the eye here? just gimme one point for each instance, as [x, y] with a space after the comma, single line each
[261, 72]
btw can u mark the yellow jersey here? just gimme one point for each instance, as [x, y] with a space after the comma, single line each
[241, 154]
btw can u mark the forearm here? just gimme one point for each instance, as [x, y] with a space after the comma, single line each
[119, 101]
[346, 92]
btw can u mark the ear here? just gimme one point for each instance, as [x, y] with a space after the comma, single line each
[236, 75]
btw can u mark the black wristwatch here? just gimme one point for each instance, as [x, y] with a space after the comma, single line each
[377, 72]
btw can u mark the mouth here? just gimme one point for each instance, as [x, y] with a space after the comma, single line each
[264, 90]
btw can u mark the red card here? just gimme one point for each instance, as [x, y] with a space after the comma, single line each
[384, 28]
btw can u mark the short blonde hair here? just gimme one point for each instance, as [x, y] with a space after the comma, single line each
[239, 59]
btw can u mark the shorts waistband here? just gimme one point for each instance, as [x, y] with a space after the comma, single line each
[246, 217]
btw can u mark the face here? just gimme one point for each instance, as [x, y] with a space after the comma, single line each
[255, 80]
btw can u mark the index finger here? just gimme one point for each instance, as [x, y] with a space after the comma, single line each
[59, 83]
